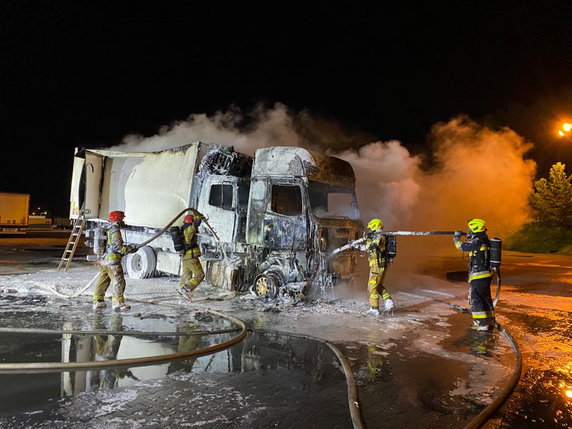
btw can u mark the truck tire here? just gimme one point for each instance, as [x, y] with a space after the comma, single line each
[142, 264]
[267, 285]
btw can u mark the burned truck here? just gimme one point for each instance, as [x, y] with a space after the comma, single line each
[273, 218]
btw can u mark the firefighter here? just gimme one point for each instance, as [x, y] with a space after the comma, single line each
[110, 269]
[376, 245]
[480, 274]
[192, 271]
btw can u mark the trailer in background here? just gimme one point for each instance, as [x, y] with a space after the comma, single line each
[14, 210]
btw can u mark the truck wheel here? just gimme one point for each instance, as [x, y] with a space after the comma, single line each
[267, 285]
[142, 264]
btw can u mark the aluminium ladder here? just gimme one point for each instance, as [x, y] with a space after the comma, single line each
[77, 231]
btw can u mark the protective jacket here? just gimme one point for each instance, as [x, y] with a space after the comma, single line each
[190, 238]
[115, 249]
[377, 246]
[479, 256]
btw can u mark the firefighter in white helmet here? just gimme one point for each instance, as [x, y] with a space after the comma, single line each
[480, 274]
[376, 245]
[110, 270]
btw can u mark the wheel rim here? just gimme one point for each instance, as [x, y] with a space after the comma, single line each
[136, 262]
[262, 286]
[267, 285]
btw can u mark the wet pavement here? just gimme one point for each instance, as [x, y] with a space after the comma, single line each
[420, 368]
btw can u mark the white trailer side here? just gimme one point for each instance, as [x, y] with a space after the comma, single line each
[150, 187]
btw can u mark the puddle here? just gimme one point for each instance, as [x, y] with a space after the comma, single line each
[264, 381]
[446, 386]
[543, 398]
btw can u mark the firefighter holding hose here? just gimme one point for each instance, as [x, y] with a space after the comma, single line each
[376, 245]
[192, 271]
[477, 244]
[110, 269]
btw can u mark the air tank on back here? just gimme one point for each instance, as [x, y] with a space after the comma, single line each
[177, 236]
[495, 252]
[391, 246]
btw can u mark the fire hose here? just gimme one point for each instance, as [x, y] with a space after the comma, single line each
[495, 270]
[203, 219]
[361, 240]
[154, 237]
[39, 367]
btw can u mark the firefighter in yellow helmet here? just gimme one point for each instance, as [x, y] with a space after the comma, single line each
[480, 275]
[376, 245]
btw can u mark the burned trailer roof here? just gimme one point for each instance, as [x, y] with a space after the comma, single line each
[142, 184]
[127, 153]
[296, 161]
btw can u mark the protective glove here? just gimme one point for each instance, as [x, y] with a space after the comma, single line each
[363, 248]
[458, 234]
[131, 249]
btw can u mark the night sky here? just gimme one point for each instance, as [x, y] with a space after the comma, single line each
[87, 73]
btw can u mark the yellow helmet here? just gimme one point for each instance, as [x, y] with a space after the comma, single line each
[375, 224]
[476, 225]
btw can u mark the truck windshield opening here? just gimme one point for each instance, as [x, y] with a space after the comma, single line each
[329, 201]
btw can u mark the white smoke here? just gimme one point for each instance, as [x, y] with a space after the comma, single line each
[479, 172]
[386, 181]
[268, 127]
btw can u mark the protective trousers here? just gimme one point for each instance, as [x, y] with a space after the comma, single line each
[375, 286]
[110, 274]
[482, 308]
[192, 274]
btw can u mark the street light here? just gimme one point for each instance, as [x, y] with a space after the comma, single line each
[564, 131]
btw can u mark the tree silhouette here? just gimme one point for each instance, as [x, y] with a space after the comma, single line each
[551, 200]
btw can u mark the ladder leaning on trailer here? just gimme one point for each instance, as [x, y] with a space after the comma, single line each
[76, 232]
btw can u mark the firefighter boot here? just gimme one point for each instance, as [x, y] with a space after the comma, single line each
[373, 311]
[99, 304]
[121, 306]
[185, 293]
[482, 326]
[388, 307]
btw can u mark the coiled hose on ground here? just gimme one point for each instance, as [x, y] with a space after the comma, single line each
[40, 367]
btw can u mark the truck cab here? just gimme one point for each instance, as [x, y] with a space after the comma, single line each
[302, 205]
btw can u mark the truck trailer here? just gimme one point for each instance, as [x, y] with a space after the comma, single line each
[14, 209]
[273, 217]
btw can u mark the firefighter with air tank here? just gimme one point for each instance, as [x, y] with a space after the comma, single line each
[110, 269]
[478, 245]
[379, 258]
[484, 262]
[185, 240]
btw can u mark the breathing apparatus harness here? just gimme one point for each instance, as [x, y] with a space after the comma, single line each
[491, 262]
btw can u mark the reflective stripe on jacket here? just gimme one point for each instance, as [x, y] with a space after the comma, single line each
[376, 245]
[190, 240]
[478, 248]
[115, 248]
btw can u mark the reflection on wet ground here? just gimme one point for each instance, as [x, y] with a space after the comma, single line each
[543, 398]
[261, 382]
[436, 389]
[268, 380]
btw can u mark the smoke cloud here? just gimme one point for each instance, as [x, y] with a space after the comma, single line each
[246, 132]
[476, 172]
